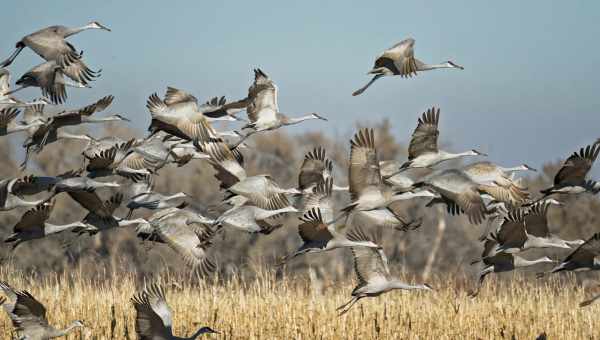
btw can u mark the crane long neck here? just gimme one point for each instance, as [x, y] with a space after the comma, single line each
[125, 223]
[199, 332]
[66, 135]
[262, 214]
[174, 196]
[24, 203]
[53, 228]
[338, 188]
[521, 262]
[21, 127]
[397, 284]
[512, 169]
[100, 119]
[367, 244]
[74, 30]
[296, 120]
[427, 67]
[197, 218]
[449, 155]
[410, 195]
[56, 333]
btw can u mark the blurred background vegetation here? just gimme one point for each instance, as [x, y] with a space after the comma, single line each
[442, 245]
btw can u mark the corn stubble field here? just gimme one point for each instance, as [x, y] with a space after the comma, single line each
[287, 308]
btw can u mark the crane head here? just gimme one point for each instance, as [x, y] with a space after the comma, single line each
[207, 330]
[451, 64]
[95, 24]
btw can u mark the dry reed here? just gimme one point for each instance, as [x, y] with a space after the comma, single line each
[287, 308]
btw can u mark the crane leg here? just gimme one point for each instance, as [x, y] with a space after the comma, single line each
[362, 89]
[12, 57]
[347, 306]
[482, 276]
[23, 165]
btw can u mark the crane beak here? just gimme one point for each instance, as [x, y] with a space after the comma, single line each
[123, 118]
[14, 91]
[102, 27]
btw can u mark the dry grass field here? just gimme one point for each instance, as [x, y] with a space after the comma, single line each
[288, 309]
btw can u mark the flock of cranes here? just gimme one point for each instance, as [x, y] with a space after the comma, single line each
[118, 172]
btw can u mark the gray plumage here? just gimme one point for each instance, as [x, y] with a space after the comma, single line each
[373, 274]
[187, 233]
[494, 262]
[154, 319]
[33, 225]
[585, 258]
[262, 107]
[178, 114]
[28, 316]
[7, 100]
[319, 235]
[367, 189]
[571, 178]
[8, 125]
[142, 195]
[252, 219]
[12, 189]
[50, 78]
[259, 190]
[50, 43]
[524, 229]
[423, 149]
[461, 194]
[399, 60]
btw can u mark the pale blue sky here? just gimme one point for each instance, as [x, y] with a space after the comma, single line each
[528, 92]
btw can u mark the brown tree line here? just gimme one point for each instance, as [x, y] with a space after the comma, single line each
[442, 245]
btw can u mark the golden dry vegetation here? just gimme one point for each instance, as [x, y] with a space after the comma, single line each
[251, 300]
[287, 308]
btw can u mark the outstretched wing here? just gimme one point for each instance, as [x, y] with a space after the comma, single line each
[77, 70]
[176, 96]
[577, 166]
[35, 218]
[224, 161]
[370, 265]
[98, 106]
[153, 319]
[320, 197]
[189, 240]
[364, 163]
[313, 228]
[425, 137]
[313, 168]
[511, 233]
[536, 220]
[586, 252]
[7, 116]
[90, 200]
[262, 96]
